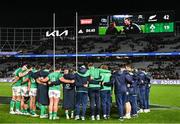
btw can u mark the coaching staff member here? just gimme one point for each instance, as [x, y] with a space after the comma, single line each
[130, 27]
[112, 30]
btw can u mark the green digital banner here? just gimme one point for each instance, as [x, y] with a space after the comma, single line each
[159, 27]
[102, 30]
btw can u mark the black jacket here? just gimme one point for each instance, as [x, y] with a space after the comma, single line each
[80, 80]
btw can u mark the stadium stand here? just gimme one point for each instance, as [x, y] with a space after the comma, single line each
[160, 67]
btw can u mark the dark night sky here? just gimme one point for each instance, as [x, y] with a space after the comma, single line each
[18, 13]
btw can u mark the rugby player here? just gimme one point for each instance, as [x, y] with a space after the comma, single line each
[54, 91]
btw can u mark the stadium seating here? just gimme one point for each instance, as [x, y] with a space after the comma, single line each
[160, 69]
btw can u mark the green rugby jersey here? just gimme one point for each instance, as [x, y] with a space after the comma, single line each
[25, 84]
[33, 81]
[16, 73]
[95, 74]
[105, 77]
[54, 76]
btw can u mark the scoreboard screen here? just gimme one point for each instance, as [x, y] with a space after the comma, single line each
[138, 23]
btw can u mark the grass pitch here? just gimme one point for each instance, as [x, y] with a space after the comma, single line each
[166, 97]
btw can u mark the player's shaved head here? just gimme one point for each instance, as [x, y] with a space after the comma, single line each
[37, 67]
[90, 65]
[48, 66]
[104, 66]
[58, 67]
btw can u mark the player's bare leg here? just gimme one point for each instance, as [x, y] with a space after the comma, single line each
[55, 108]
[51, 108]
[33, 106]
[128, 110]
[12, 105]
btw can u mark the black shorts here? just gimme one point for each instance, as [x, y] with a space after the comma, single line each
[42, 94]
[26, 99]
[69, 98]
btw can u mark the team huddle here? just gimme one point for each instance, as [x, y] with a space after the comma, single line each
[40, 87]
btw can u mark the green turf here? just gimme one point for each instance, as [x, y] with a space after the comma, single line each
[5, 89]
[160, 94]
[155, 116]
[166, 95]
